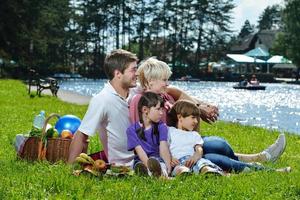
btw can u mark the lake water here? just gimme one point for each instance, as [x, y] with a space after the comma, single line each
[277, 107]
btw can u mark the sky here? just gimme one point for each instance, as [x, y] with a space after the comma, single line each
[251, 10]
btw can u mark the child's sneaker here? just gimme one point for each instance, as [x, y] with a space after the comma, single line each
[140, 169]
[154, 167]
[181, 170]
[211, 170]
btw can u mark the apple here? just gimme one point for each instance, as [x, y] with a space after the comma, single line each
[66, 134]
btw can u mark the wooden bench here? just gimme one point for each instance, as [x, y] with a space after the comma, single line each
[42, 84]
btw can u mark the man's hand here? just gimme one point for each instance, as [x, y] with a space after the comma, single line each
[208, 113]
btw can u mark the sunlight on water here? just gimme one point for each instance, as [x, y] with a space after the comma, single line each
[277, 107]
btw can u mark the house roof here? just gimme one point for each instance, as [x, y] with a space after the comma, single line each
[278, 59]
[243, 43]
[264, 37]
[257, 52]
[267, 37]
[240, 58]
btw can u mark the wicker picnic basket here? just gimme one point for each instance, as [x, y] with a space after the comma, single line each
[51, 149]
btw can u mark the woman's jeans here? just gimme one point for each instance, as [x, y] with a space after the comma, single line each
[219, 151]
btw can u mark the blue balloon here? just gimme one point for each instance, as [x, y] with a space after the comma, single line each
[68, 122]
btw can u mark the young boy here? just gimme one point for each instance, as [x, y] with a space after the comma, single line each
[186, 144]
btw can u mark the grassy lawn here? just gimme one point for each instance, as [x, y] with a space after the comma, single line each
[41, 180]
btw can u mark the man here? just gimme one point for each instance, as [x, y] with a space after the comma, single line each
[108, 111]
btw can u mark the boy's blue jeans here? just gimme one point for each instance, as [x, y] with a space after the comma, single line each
[196, 168]
[219, 151]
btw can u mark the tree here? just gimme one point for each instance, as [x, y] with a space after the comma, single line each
[246, 30]
[270, 18]
[292, 30]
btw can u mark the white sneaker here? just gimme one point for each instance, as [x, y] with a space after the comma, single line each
[211, 170]
[181, 170]
[274, 151]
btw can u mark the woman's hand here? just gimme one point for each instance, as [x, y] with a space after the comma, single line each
[208, 113]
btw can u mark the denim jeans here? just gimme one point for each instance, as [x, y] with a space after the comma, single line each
[196, 168]
[219, 151]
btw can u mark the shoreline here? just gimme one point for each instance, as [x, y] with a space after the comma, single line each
[73, 97]
[67, 96]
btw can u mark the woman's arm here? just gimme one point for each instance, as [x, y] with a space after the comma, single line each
[209, 113]
[133, 108]
[141, 154]
[195, 157]
[165, 154]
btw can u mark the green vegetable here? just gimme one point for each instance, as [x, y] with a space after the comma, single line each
[50, 132]
[35, 132]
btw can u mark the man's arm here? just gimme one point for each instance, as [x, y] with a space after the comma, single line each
[209, 113]
[78, 145]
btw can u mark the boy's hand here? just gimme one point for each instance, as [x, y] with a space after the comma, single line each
[174, 162]
[191, 161]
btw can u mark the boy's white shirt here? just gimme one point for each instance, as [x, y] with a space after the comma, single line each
[108, 114]
[182, 142]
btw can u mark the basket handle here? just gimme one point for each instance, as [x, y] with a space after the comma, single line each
[43, 143]
[46, 122]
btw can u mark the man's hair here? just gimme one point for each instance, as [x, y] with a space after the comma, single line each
[118, 59]
[153, 69]
[184, 108]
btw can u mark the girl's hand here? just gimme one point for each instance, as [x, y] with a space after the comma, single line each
[169, 169]
[174, 162]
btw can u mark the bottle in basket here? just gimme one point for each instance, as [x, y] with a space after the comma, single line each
[39, 120]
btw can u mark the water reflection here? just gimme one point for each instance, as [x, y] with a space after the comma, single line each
[277, 107]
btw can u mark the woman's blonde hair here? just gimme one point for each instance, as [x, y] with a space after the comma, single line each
[152, 69]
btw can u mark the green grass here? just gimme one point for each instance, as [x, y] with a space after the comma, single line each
[41, 180]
